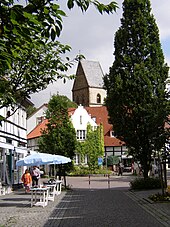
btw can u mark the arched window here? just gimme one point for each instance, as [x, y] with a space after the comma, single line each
[98, 98]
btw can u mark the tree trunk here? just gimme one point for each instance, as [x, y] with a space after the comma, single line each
[161, 177]
[165, 174]
[145, 168]
[145, 173]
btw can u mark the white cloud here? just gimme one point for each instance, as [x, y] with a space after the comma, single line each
[162, 16]
[57, 87]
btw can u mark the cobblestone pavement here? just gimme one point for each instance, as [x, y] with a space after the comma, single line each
[16, 210]
[110, 208]
[101, 202]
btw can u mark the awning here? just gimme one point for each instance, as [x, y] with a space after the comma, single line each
[24, 150]
[21, 150]
[6, 145]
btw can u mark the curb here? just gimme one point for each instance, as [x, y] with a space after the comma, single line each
[149, 206]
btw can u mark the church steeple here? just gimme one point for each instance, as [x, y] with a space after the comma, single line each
[88, 85]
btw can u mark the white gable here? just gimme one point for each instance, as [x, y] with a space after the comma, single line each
[81, 119]
[32, 121]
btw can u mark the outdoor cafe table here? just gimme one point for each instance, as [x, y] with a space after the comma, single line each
[52, 190]
[56, 185]
[39, 196]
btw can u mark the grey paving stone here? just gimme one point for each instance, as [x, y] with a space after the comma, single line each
[87, 206]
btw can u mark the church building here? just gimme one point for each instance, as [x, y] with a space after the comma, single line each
[88, 85]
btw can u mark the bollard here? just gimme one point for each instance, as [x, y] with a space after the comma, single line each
[89, 181]
[109, 181]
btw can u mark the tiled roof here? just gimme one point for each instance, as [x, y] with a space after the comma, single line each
[36, 132]
[101, 115]
[93, 72]
[71, 111]
[45, 104]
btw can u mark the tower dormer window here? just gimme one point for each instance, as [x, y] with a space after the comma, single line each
[112, 133]
[98, 98]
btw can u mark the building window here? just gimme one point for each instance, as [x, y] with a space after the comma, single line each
[21, 144]
[81, 134]
[23, 121]
[80, 119]
[8, 114]
[8, 141]
[94, 119]
[18, 118]
[39, 120]
[77, 159]
[98, 98]
[112, 134]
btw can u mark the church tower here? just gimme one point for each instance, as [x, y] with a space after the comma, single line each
[88, 84]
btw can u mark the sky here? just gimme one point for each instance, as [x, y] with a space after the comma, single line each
[92, 35]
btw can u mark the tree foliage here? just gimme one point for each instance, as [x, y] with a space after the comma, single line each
[94, 145]
[137, 99]
[59, 137]
[60, 100]
[84, 5]
[112, 160]
[29, 46]
[30, 110]
[34, 71]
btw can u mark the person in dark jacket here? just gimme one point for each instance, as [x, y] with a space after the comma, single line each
[35, 173]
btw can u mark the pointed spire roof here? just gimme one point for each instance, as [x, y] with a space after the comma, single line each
[93, 72]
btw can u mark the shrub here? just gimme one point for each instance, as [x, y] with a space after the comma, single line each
[84, 170]
[149, 183]
[159, 197]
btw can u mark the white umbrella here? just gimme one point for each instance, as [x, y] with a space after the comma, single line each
[35, 159]
[60, 159]
[42, 159]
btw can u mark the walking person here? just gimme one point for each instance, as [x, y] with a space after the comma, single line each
[26, 179]
[120, 169]
[35, 173]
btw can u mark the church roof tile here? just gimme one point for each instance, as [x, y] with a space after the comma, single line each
[93, 72]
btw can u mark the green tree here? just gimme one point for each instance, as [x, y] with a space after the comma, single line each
[25, 34]
[112, 160]
[81, 149]
[137, 99]
[59, 137]
[34, 71]
[63, 100]
[94, 145]
[30, 110]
